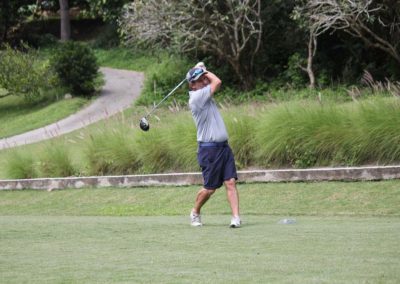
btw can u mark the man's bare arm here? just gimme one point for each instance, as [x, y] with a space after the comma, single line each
[215, 82]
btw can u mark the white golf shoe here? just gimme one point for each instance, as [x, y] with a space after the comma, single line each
[195, 219]
[235, 222]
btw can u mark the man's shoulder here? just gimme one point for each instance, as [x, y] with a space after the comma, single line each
[202, 91]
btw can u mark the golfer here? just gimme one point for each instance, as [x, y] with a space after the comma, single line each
[214, 155]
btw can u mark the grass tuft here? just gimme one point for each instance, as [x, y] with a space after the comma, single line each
[110, 150]
[21, 165]
[56, 161]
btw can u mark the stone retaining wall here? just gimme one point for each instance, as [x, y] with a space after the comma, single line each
[180, 179]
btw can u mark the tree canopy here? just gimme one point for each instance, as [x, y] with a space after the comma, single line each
[302, 42]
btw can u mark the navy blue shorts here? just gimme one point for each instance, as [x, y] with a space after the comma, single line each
[217, 164]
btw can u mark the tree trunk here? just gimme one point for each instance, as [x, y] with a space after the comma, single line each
[245, 78]
[65, 21]
[311, 52]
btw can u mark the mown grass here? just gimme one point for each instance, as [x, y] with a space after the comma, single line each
[290, 199]
[38, 249]
[17, 116]
[344, 233]
[129, 59]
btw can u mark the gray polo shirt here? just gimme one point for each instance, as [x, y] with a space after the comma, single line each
[208, 120]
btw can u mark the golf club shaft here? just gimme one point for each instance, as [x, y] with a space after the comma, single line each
[166, 97]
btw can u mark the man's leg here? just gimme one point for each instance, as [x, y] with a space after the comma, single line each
[202, 196]
[233, 196]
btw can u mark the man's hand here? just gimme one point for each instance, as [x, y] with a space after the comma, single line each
[201, 65]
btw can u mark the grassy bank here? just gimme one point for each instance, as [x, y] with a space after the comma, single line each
[17, 116]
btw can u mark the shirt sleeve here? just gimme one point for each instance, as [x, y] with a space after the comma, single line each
[200, 97]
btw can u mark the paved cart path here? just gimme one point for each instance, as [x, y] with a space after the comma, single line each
[120, 89]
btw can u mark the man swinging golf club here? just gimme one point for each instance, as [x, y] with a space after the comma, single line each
[214, 155]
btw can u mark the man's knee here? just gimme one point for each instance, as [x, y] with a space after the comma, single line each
[230, 184]
[209, 192]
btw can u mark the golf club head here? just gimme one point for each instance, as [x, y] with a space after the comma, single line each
[144, 124]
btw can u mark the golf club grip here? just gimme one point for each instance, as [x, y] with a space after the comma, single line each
[166, 97]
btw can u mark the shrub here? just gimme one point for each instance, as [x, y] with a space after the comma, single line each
[293, 74]
[76, 67]
[162, 78]
[23, 74]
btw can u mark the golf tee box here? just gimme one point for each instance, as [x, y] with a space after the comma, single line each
[185, 179]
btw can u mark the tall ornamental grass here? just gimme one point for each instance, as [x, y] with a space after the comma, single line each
[312, 134]
[111, 150]
[182, 143]
[55, 160]
[242, 131]
[380, 128]
[21, 165]
[301, 134]
[296, 134]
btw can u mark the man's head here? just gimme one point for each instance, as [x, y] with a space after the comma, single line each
[196, 78]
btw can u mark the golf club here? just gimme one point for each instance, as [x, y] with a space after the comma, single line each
[144, 123]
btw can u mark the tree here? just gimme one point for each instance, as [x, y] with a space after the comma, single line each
[65, 20]
[304, 24]
[109, 10]
[229, 29]
[22, 73]
[9, 15]
[377, 24]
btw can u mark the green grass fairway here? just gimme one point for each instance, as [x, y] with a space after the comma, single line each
[346, 232]
[67, 249]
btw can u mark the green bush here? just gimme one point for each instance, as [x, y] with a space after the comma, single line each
[293, 74]
[22, 73]
[76, 67]
[162, 78]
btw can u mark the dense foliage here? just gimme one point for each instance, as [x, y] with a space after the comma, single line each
[23, 74]
[248, 42]
[76, 67]
[339, 54]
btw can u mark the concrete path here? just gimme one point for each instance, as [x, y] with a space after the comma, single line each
[120, 89]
